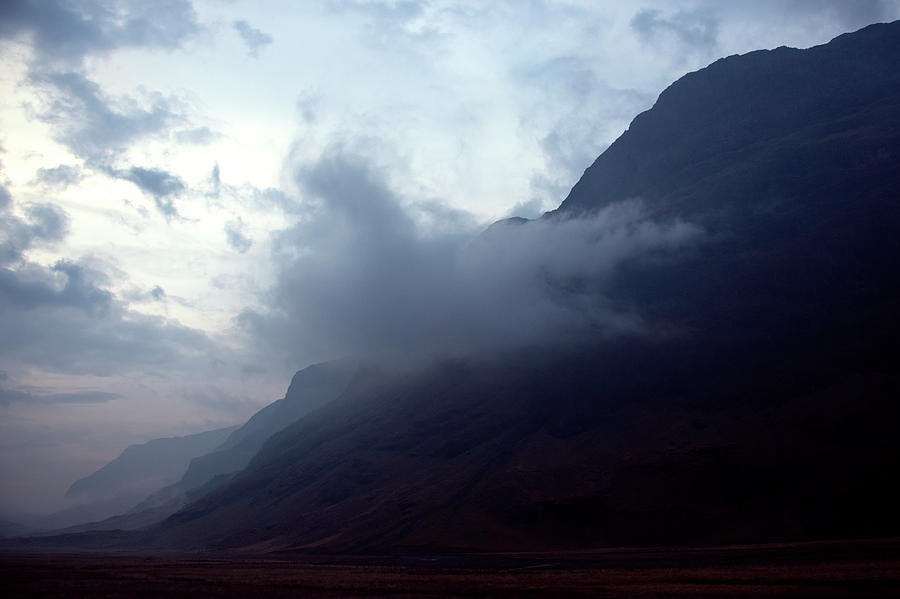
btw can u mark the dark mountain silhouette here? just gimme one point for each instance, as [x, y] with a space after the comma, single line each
[764, 413]
[757, 405]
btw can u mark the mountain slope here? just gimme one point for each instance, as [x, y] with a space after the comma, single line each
[756, 403]
[310, 388]
[763, 413]
[147, 466]
[765, 126]
[137, 471]
[479, 463]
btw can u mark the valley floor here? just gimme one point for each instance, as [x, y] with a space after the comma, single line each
[844, 569]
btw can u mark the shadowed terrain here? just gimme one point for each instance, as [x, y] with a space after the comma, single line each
[825, 570]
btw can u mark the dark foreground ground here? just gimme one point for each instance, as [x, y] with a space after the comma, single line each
[845, 569]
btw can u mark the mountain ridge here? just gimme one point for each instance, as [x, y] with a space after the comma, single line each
[164, 456]
[764, 413]
[309, 388]
[755, 423]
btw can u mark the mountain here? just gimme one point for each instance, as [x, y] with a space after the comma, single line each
[763, 413]
[148, 466]
[755, 402]
[137, 471]
[309, 389]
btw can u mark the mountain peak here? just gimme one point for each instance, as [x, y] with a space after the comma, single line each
[700, 121]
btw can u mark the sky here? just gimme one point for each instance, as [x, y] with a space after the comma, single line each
[199, 198]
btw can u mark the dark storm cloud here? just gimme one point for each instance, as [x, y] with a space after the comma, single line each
[25, 396]
[59, 177]
[361, 275]
[696, 28]
[44, 224]
[65, 32]
[234, 234]
[254, 38]
[160, 185]
[95, 127]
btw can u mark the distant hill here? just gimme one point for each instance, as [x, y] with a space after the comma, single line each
[148, 466]
[131, 476]
[309, 389]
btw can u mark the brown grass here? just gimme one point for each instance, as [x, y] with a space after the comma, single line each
[718, 573]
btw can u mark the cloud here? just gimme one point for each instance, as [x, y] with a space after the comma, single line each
[237, 239]
[360, 276]
[199, 136]
[264, 199]
[532, 208]
[59, 177]
[693, 29]
[850, 15]
[95, 127]
[26, 396]
[156, 294]
[215, 181]
[211, 396]
[5, 198]
[43, 225]
[573, 115]
[65, 284]
[65, 319]
[254, 38]
[161, 185]
[48, 222]
[64, 32]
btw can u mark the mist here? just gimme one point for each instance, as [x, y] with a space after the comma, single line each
[368, 272]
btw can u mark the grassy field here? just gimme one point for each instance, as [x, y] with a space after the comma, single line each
[862, 569]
